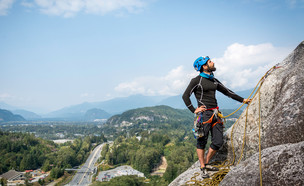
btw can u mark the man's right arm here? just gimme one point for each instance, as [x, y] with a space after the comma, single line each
[187, 94]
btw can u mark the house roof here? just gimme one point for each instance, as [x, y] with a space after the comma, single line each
[10, 174]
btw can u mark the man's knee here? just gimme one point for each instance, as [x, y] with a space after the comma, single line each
[217, 144]
[217, 139]
[201, 143]
[200, 146]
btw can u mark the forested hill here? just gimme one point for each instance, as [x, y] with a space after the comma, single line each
[157, 117]
[142, 137]
[23, 151]
[6, 115]
[157, 114]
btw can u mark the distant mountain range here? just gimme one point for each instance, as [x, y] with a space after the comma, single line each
[3, 105]
[27, 114]
[96, 114]
[6, 115]
[113, 106]
[105, 109]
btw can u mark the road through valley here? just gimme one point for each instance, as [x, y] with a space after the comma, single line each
[84, 174]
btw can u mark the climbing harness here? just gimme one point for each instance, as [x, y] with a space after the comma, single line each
[225, 165]
[198, 129]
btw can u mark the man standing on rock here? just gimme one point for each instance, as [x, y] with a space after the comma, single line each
[204, 86]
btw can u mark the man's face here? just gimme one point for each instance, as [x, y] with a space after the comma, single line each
[210, 63]
[210, 66]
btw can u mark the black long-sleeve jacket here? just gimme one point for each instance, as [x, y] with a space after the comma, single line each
[204, 91]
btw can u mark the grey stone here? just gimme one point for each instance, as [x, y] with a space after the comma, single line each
[281, 165]
[187, 175]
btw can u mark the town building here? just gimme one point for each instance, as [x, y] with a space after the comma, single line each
[13, 177]
[119, 171]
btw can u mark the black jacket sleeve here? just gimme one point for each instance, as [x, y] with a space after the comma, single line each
[186, 96]
[228, 92]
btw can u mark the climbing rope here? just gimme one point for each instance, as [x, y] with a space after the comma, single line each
[224, 167]
[260, 158]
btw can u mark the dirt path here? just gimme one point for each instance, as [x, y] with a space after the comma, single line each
[161, 169]
[163, 164]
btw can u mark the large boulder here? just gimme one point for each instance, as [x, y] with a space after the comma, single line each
[281, 165]
[281, 111]
[279, 108]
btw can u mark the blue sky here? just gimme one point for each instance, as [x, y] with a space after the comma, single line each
[57, 53]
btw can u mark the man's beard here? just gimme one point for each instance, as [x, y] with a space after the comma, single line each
[211, 69]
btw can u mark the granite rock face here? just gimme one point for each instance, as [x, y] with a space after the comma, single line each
[281, 104]
[281, 165]
[281, 110]
[187, 175]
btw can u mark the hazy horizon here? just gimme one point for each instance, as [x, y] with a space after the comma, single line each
[159, 99]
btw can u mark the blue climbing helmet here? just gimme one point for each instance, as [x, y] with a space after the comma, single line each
[199, 62]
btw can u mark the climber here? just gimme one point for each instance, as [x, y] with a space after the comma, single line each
[204, 86]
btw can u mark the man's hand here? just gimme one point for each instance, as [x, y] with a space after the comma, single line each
[247, 101]
[200, 109]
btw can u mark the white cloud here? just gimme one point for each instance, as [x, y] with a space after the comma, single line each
[69, 8]
[4, 6]
[295, 3]
[171, 84]
[242, 66]
[239, 68]
[27, 4]
[84, 95]
[5, 96]
[87, 95]
[105, 6]
[66, 8]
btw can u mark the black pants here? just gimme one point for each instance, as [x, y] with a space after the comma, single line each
[216, 131]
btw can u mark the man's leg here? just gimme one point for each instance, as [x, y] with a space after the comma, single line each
[201, 156]
[217, 142]
[201, 144]
[200, 150]
[210, 154]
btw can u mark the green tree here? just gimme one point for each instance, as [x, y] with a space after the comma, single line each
[46, 166]
[28, 162]
[41, 181]
[3, 181]
[66, 157]
[171, 173]
[56, 172]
